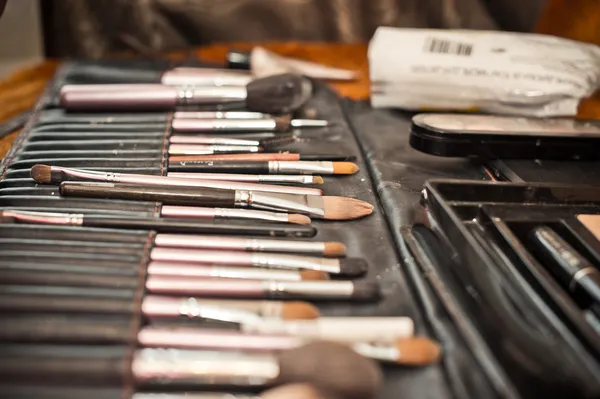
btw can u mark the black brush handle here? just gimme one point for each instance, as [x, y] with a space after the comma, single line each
[219, 167]
[327, 157]
[189, 196]
[31, 303]
[174, 225]
[65, 329]
[60, 279]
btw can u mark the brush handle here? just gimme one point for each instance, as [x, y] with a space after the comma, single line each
[169, 195]
[219, 167]
[127, 97]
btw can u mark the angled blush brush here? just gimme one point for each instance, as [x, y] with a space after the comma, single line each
[278, 94]
[55, 174]
[166, 225]
[323, 207]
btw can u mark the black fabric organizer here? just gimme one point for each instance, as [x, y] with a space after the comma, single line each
[411, 264]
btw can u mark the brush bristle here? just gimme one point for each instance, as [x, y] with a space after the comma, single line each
[418, 351]
[293, 391]
[331, 367]
[298, 219]
[313, 275]
[278, 94]
[343, 208]
[41, 173]
[317, 180]
[345, 168]
[334, 249]
[299, 311]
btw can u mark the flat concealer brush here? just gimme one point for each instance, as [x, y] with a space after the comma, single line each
[351, 267]
[278, 94]
[165, 225]
[322, 207]
[55, 174]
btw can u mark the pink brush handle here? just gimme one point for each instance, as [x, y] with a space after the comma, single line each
[142, 97]
[214, 287]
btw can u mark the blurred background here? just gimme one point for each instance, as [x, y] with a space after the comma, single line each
[34, 29]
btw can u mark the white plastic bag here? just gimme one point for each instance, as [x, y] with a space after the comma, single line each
[496, 72]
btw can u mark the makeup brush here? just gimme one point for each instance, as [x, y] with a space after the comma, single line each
[327, 249]
[55, 174]
[250, 178]
[260, 157]
[154, 306]
[329, 208]
[360, 291]
[351, 267]
[328, 366]
[413, 351]
[166, 225]
[276, 124]
[260, 167]
[278, 94]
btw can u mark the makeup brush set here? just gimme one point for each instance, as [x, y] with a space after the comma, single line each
[160, 240]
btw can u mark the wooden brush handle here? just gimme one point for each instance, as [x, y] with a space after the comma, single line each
[189, 196]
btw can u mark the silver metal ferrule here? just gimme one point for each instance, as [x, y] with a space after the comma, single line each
[296, 262]
[250, 214]
[72, 219]
[259, 245]
[297, 179]
[309, 123]
[302, 167]
[175, 367]
[309, 289]
[579, 275]
[211, 95]
[193, 309]
[384, 353]
[200, 149]
[311, 205]
[219, 115]
[253, 273]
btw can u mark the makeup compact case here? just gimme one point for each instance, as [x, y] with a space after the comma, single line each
[484, 356]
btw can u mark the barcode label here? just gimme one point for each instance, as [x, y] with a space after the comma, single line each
[440, 46]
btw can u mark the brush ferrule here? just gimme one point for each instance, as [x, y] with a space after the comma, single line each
[199, 149]
[188, 367]
[219, 115]
[301, 167]
[229, 125]
[251, 273]
[296, 262]
[210, 95]
[387, 353]
[191, 308]
[71, 219]
[228, 213]
[309, 289]
[311, 205]
[259, 245]
[298, 179]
